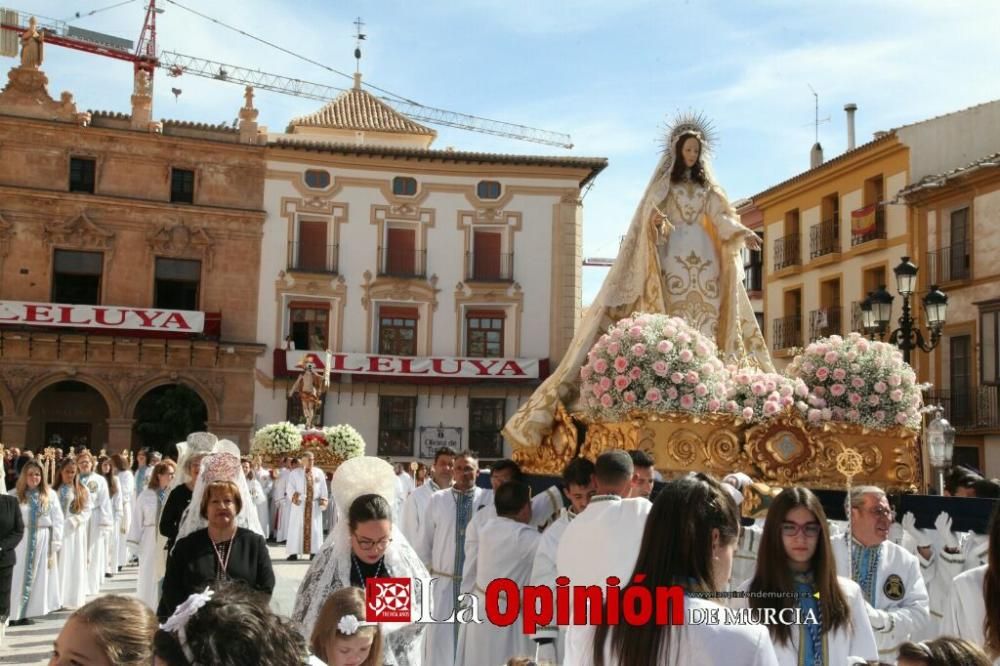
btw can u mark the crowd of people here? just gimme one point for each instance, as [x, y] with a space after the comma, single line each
[877, 591]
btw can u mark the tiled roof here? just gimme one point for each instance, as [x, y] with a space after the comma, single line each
[941, 179]
[595, 164]
[357, 109]
[186, 124]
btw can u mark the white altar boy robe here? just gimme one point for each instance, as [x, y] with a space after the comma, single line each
[297, 481]
[695, 644]
[126, 488]
[144, 539]
[73, 554]
[543, 507]
[507, 550]
[43, 539]
[436, 546]
[279, 526]
[116, 534]
[99, 530]
[857, 640]
[543, 572]
[602, 541]
[965, 610]
[414, 508]
[900, 599]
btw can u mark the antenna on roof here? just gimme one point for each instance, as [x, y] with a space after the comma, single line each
[359, 36]
[816, 119]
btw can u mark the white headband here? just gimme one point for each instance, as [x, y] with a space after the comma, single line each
[349, 625]
[178, 621]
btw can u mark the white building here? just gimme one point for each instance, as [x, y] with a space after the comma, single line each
[402, 260]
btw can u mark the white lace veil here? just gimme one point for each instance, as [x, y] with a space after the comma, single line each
[355, 477]
[197, 442]
[223, 465]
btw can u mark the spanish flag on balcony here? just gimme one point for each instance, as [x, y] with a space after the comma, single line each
[863, 220]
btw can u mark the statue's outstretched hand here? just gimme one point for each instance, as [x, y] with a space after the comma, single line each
[752, 241]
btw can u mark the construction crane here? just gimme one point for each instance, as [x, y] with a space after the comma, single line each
[145, 57]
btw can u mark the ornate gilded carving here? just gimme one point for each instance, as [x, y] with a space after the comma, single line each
[79, 232]
[322, 457]
[556, 449]
[180, 240]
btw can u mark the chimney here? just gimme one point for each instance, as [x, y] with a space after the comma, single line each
[815, 155]
[850, 109]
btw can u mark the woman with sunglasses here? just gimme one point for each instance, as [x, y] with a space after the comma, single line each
[364, 544]
[796, 561]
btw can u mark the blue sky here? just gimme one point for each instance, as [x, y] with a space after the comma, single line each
[608, 72]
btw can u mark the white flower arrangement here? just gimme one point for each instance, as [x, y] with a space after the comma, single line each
[652, 363]
[344, 441]
[755, 396]
[277, 438]
[855, 380]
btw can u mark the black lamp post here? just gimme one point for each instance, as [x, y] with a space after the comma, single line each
[876, 311]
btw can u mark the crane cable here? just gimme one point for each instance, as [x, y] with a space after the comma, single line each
[78, 15]
[289, 52]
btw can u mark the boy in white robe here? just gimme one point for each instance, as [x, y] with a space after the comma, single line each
[441, 546]
[543, 507]
[508, 545]
[416, 504]
[101, 521]
[889, 576]
[307, 495]
[280, 500]
[578, 487]
[604, 540]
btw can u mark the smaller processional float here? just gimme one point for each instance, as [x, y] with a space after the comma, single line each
[330, 446]
[654, 383]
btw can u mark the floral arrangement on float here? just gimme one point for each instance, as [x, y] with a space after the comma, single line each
[855, 380]
[344, 442]
[652, 363]
[277, 439]
[755, 396]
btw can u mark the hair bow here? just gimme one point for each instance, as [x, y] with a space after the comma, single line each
[349, 625]
[178, 621]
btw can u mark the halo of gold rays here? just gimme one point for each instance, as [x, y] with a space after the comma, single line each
[688, 121]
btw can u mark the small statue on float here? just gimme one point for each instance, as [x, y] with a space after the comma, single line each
[309, 386]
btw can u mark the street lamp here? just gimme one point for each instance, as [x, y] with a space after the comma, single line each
[876, 311]
[939, 441]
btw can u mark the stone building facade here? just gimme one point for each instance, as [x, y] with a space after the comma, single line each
[129, 256]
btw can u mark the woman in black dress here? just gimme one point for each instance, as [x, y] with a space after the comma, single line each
[11, 532]
[222, 551]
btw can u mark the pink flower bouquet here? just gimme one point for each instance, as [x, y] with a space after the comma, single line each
[755, 396]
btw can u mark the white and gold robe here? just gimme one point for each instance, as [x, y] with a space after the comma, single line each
[35, 589]
[297, 528]
[99, 530]
[73, 554]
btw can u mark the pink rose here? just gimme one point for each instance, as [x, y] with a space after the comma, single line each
[616, 334]
[831, 357]
[664, 346]
[606, 400]
[713, 405]
[901, 418]
[701, 349]
[801, 390]
[896, 395]
[787, 401]
[629, 397]
[857, 382]
[708, 369]
[614, 348]
[873, 400]
[819, 390]
[660, 368]
[671, 392]
[757, 389]
[669, 331]
[785, 391]
[895, 380]
[687, 401]
[770, 408]
[880, 387]
[822, 373]
[879, 416]
[639, 350]
[691, 377]
[683, 338]
[600, 366]
[837, 390]
[676, 377]
[701, 390]
[743, 378]
[685, 356]
[653, 395]
[853, 415]
[731, 406]
[839, 374]
[605, 383]
[635, 331]
[622, 382]
[747, 413]
[814, 416]
[854, 399]
[620, 364]
[635, 372]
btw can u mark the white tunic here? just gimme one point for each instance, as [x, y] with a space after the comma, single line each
[543, 572]
[116, 535]
[602, 541]
[73, 554]
[507, 551]
[965, 611]
[126, 488]
[279, 526]
[543, 507]
[696, 644]
[144, 538]
[858, 640]
[35, 586]
[414, 508]
[436, 546]
[901, 607]
[101, 521]
[266, 485]
[297, 483]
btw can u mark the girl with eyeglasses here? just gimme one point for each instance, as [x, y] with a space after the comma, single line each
[364, 544]
[796, 560]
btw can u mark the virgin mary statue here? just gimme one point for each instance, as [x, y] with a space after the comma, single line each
[681, 256]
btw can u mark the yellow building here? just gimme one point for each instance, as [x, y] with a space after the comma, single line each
[958, 213]
[835, 232]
